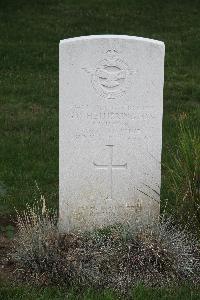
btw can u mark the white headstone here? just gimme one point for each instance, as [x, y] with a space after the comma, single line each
[111, 105]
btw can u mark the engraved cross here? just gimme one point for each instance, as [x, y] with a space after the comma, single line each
[110, 167]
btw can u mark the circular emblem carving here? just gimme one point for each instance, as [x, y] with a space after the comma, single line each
[111, 77]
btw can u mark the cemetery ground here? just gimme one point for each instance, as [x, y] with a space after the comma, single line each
[30, 33]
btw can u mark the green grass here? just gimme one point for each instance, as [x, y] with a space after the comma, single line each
[182, 177]
[139, 293]
[29, 35]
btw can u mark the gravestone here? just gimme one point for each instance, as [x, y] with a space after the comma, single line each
[111, 106]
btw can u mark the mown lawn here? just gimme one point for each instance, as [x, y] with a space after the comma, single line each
[139, 293]
[29, 36]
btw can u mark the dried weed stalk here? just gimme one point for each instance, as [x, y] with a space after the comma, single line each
[116, 257]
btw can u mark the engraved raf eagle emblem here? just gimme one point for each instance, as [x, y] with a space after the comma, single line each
[111, 76]
[110, 79]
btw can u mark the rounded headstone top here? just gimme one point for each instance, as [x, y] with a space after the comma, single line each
[112, 36]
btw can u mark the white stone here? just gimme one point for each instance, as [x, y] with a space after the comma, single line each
[111, 106]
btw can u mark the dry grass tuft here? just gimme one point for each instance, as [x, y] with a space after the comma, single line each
[114, 257]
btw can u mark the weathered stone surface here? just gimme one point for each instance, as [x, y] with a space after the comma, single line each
[111, 105]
